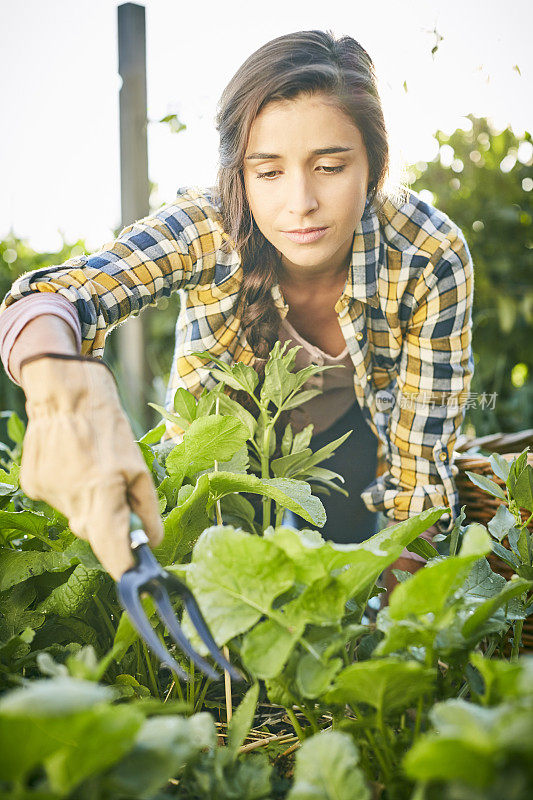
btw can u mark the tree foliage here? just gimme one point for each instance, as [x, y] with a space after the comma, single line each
[483, 179]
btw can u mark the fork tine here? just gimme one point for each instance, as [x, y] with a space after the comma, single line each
[131, 603]
[205, 634]
[167, 615]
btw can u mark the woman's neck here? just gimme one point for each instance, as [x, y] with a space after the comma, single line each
[316, 278]
[296, 280]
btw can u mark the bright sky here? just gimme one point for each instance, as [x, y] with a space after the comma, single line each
[59, 137]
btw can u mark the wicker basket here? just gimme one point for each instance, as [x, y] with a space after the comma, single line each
[481, 507]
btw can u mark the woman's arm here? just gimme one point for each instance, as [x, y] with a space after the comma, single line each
[150, 259]
[434, 376]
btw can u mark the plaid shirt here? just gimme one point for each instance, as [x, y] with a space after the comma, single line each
[405, 313]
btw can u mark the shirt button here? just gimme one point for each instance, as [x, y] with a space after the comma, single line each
[443, 456]
[358, 336]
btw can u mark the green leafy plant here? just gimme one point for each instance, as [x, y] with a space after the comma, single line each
[507, 523]
[482, 178]
[365, 699]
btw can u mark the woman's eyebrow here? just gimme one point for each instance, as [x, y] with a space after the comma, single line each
[321, 151]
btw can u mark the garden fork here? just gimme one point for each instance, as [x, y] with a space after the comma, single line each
[149, 576]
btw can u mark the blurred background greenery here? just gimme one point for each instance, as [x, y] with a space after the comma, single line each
[483, 179]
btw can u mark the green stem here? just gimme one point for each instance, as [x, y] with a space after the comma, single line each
[201, 696]
[364, 604]
[420, 704]
[105, 616]
[295, 724]
[419, 708]
[310, 717]
[454, 538]
[155, 690]
[191, 685]
[379, 755]
[179, 690]
[491, 647]
[265, 471]
[138, 651]
[526, 523]
[517, 636]
[389, 755]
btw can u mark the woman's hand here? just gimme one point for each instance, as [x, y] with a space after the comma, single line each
[80, 456]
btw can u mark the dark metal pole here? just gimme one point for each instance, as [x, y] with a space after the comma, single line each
[134, 188]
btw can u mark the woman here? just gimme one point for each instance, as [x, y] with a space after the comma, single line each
[299, 240]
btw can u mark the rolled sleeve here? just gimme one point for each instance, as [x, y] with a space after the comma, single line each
[150, 259]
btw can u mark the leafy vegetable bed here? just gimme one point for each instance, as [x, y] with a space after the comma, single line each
[418, 702]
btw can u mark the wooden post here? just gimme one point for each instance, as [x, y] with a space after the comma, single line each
[135, 193]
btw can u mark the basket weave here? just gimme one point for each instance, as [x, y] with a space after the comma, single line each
[481, 507]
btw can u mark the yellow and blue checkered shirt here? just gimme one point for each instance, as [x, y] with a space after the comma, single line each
[405, 313]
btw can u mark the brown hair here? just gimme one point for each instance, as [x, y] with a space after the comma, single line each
[290, 65]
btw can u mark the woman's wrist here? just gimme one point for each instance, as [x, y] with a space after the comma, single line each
[46, 333]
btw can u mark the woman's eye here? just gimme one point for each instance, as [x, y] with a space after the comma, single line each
[328, 170]
[266, 174]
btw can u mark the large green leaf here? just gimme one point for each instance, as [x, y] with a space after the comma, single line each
[267, 647]
[44, 698]
[487, 485]
[208, 439]
[501, 523]
[511, 590]
[305, 548]
[103, 736]
[472, 742]
[291, 494]
[235, 576]
[447, 759]
[428, 590]
[389, 685]
[185, 404]
[321, 603]
[184, 523]
[70, 597]
[369, 558]
[231, 407]
[28, 522]
[41, 718]
[523, 489]
[482, 581]
[163, 746]
[314, 677]
[356, 566]
[326, 769]
[500, 466]
[501, 678]
[19, 565]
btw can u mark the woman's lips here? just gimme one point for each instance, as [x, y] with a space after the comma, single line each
[304, 238]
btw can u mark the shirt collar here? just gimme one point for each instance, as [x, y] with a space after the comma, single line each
[362, 283]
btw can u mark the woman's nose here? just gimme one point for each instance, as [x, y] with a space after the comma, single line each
[301, 196]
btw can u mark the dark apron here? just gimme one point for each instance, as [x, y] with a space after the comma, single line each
[348, 519]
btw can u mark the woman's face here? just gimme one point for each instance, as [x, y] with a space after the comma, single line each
[292, 184]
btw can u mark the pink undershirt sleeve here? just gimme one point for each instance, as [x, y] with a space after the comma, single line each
[16, 316]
